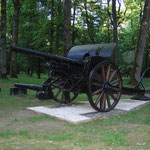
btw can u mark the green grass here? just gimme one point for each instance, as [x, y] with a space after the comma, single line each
[145, 82]
[23, 129]
[116, 138]
[24, 134]
[23, 78]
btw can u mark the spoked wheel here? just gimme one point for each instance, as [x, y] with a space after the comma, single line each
[105, 86]
[60, 96]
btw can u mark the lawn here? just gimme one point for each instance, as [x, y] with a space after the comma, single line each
[26, 130]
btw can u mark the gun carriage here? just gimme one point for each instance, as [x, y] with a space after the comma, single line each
[86, 69]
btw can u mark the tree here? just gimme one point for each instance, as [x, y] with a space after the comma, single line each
[13, 63]
[115, 32]
[52, 27]
[88, 22]
[117, 16]
[73, 24]
[108, 21]
[142, 41]
[3, 41]
[45, 25]
[59, 26]
[67, 26]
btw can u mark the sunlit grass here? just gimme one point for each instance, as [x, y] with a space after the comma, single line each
[38, 131]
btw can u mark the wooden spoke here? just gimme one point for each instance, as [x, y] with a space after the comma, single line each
[99, 98]
[114, 98]
[103, 72]
[58, 92]
[108, 100]
[116, 89]
[112, 75]
[103, 101]
[115, 81]
[74, 96]
[56, 86]
[97, 77]
[97, 92]
[61, 96]
[105, 86]
[108, 73]
[96, 84]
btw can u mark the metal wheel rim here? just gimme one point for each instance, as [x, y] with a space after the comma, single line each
[105, 85]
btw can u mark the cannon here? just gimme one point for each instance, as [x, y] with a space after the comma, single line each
[86, 69]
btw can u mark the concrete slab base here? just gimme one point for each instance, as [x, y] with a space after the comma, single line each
[82, 111]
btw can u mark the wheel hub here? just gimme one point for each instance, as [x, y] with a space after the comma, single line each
[107, 86]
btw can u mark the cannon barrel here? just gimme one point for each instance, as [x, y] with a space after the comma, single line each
[43, 55]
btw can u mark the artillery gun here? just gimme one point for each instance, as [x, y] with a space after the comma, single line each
[86, 69]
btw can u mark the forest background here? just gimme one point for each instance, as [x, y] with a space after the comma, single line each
[54, 26]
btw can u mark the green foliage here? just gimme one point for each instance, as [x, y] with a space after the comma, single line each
[35, 27]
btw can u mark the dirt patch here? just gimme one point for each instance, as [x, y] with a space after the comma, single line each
[10, 115]
[124, 126]
[33, 144]
[26, 119]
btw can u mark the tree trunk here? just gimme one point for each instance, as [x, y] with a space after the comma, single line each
[57, 40]
[73, 26]
[142, 41]
[30, 67]
[115, 31]
[13, 63]
[108, 22]
[58, 26]
[132, 28]
[108, 31]
[147, 58]
[52, 28]
[141, 11]
[39, 69]
[88, 23]
[67, 26]
[3, 41]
